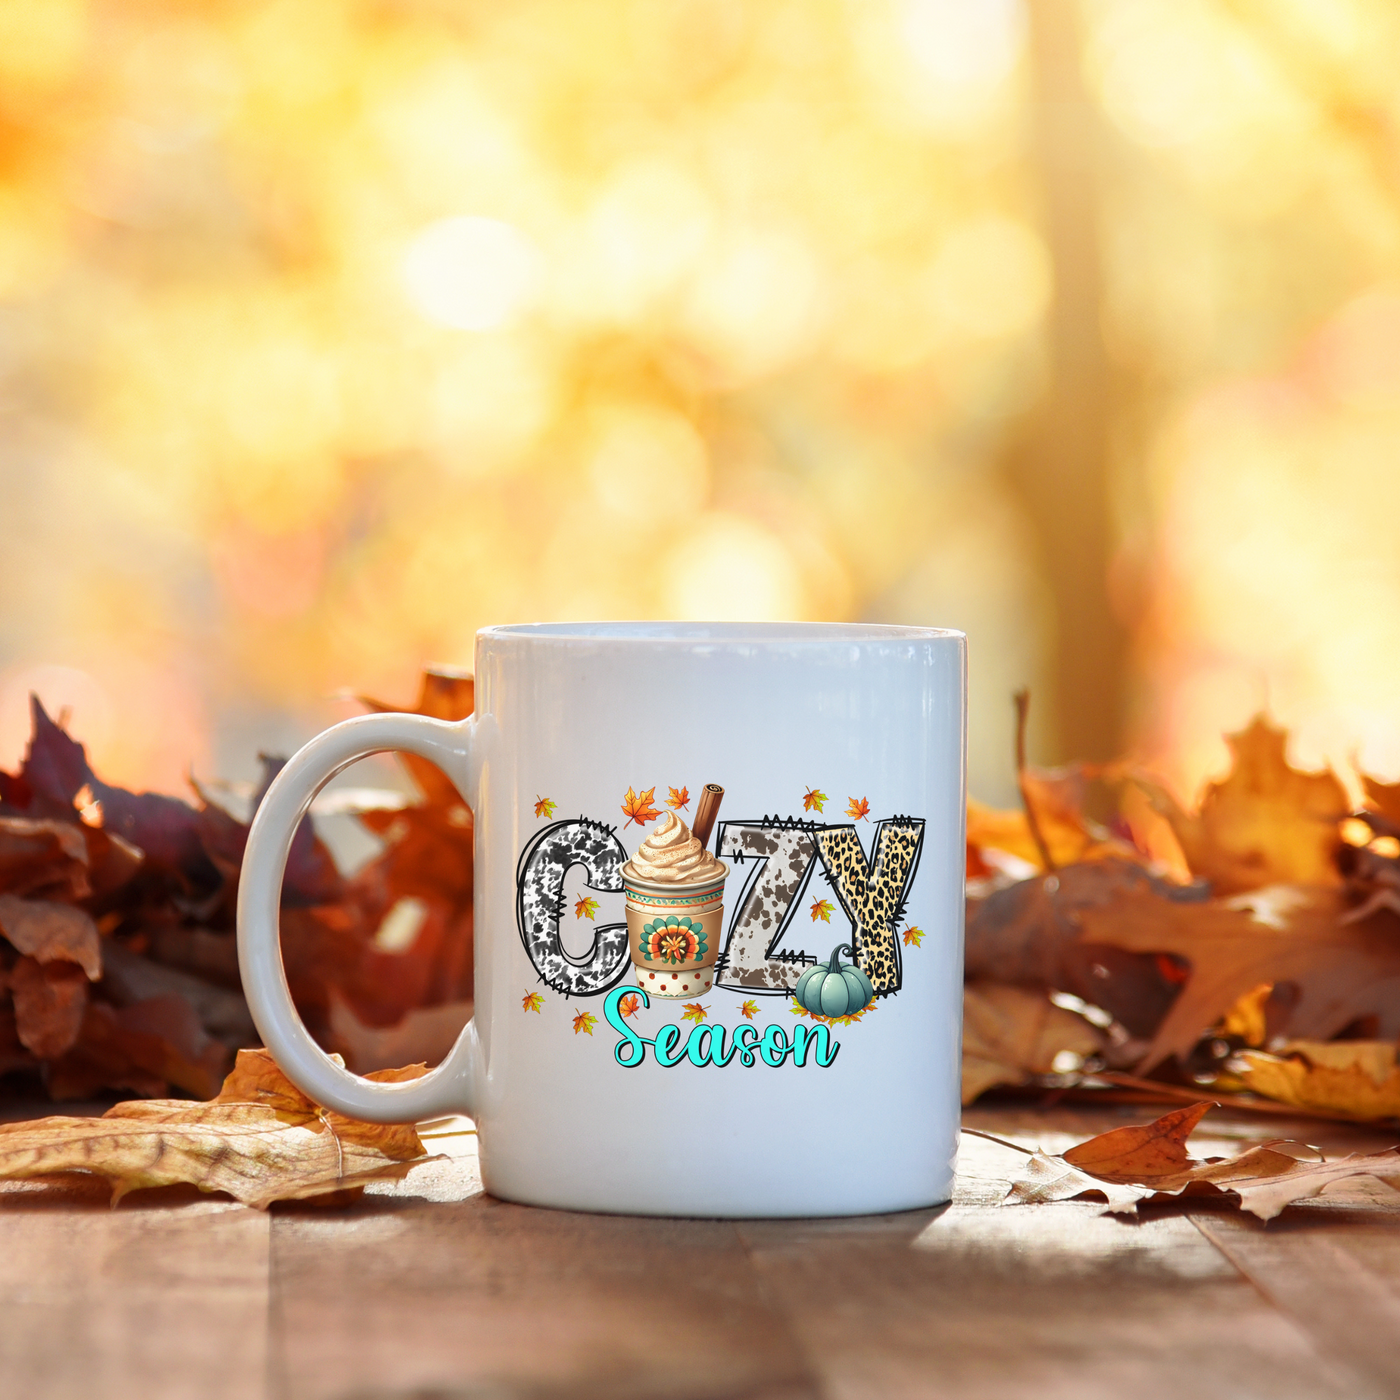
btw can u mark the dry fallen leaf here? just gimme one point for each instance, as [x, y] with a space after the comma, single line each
[1265, 823]
[1129, 1165]
[1287, 934]
[1011, 1034]
[261, 1140]
[1356, 1077]
[1029, 934]
[46, 931]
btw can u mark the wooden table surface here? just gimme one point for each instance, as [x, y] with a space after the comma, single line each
[431, 1290]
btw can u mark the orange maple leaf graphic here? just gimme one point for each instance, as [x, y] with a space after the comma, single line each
[915, 935]
[586, 908]
[749, 1010]
[694, 1012]
[629, 1006]
[679, 798]
[813, 798]
[637, 807]
[859, 809]
[544, 807]
[584, 1022]
[532, 1001]
[822, 909]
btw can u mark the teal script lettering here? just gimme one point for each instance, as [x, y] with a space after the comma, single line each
[712, 1045]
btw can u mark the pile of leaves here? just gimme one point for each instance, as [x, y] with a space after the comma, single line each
[118, 960]
[1250, 947]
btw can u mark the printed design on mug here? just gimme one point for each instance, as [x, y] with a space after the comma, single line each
[673, 943]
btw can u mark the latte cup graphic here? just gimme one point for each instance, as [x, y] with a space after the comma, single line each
[675, 907]
[674, 933]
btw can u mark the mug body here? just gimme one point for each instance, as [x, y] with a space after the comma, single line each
[840, 750]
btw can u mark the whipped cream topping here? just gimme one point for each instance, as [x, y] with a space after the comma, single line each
[672, 856]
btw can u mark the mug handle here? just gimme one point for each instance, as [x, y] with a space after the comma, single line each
[450, 1088]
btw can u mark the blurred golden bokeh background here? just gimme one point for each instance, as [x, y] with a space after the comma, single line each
[332, 330]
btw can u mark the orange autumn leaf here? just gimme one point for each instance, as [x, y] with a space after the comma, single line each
[637, 807]
[822, 909]
[813, 800]
[629, 1006]
[913, 935]
[532, 1001]
[858, 809]
[1264, 823]
[586, 908]
[584, 1022]
[679, 798]
[694, 1012]
[749, 1010]
[544, 806]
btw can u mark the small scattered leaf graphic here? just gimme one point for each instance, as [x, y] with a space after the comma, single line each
[850, 1020]
[813, 800]
[858, 809]
[637, 807]
[586, 908]
[694, 1012]
[749, 1010]
[678, 799]
[544, 807]
[913, 935]
[822, 909]
[629, 1006]
[261, 1140]
[585, 1021]
[532, 1001]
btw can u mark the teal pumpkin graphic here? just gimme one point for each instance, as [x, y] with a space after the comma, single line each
[834, 988]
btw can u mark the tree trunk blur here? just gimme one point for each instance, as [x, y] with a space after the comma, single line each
[1062, 469]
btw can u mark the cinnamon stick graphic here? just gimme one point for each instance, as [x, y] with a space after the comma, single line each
[706, 810]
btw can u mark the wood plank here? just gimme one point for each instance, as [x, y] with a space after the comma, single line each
[407, 1294]
[151, 1301]
[1333, 1268]
[1002, 1302]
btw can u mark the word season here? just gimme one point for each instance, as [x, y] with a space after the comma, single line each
[709, 1045]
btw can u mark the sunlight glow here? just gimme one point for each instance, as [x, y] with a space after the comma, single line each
[472, 273]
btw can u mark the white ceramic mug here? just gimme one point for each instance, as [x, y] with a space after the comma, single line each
[841, 753]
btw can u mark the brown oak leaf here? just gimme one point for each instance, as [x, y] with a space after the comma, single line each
[1029, 934]
[1128, 1165]
[1339, 971]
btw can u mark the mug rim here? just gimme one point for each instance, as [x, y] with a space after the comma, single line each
[651, 633]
